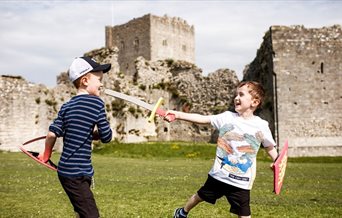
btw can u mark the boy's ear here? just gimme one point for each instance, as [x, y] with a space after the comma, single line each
[84, 81]
[255, 102]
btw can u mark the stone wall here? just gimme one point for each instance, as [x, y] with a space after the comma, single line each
[303, 66]
[299, 67]
[172, 38]
[182, 86]
[133, 39]
[152, 37]
[28, 109]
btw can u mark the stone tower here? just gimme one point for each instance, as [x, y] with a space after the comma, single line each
[154, 38]
[301, 69]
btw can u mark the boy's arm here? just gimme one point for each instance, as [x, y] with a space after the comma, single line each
[103, 131]
[49, 143]
[272, 152]
[190, 117]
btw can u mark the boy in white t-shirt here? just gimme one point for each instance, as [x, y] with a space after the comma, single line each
[240, 136]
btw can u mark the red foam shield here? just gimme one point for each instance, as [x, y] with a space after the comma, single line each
[34, 155]
[279, 168]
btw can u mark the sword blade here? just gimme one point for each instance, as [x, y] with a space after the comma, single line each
[131, 99]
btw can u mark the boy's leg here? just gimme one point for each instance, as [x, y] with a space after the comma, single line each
[80, 195]
[209, 192]
[239, 200]
[192, 202]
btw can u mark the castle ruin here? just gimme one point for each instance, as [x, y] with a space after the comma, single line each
[301, 69]
[152, 37]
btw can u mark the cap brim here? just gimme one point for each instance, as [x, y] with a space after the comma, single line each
[104, 68]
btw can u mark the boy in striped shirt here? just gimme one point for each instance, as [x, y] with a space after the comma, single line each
[76, 123]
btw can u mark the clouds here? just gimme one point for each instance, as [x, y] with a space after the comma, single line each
[38, 40]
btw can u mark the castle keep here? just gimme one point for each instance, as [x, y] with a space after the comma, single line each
[152, 37]
[301, 69]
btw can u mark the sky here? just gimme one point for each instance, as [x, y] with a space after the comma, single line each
[39, 39]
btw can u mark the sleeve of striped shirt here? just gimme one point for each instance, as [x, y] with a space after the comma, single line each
[57, 126]
[103, 126]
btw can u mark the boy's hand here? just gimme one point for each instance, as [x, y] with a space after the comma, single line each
[44, 156]
[170, 115]
[40, 156]
[96, 135]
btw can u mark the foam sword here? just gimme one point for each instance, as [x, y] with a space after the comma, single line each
[155, 109]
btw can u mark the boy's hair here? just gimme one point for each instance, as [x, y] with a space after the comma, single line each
[77, 82]
[255, 89]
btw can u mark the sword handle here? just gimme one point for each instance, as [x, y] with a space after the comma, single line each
[162, 113]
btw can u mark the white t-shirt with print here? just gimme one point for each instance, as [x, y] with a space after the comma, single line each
[237, 147]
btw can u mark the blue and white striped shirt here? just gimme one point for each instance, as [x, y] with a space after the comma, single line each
[75, 123]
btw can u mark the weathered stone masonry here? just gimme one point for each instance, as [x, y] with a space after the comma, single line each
[302, 70]
[152, 37]
[28, 109]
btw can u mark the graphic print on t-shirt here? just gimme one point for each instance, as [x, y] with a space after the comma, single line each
[237, 158]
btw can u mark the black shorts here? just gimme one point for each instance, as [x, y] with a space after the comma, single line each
[80, 195]
[238, 198]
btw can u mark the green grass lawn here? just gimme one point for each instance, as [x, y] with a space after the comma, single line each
[152, 179]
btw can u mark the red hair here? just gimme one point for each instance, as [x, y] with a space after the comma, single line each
[255, 89]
